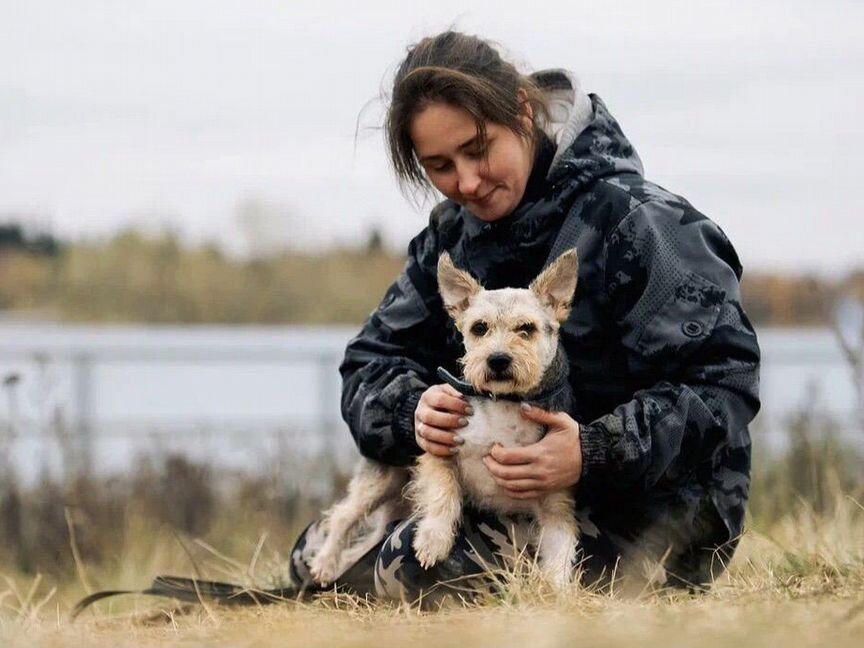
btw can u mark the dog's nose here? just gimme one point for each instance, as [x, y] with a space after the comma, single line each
[499, 362]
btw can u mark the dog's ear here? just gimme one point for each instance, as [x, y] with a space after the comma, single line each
[556, 285]
[456, 286]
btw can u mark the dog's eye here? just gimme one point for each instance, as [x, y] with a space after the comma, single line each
[526, 330]
[479, 329]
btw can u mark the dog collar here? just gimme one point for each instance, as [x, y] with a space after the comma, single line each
[467, 389]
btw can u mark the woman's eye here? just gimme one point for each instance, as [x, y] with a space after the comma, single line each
[439, 168]
[479, 329]
[480, 152]
[526, 330]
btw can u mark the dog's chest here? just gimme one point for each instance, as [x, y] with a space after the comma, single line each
[493, 422]
[497, 422]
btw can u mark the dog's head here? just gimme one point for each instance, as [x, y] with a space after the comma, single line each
[511, 334]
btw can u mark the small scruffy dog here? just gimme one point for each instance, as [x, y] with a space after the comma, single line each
[513, 355]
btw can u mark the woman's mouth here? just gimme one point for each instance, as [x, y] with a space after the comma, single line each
[485, 200]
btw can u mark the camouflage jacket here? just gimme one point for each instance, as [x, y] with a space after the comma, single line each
[664, 362]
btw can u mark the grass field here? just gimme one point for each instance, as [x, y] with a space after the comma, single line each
[803, 586]
[796, 580]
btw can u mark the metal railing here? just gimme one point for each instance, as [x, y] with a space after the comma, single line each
[84, 360]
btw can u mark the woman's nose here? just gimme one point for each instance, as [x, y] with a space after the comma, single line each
[469, 179]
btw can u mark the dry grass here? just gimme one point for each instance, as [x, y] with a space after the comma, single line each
[797, 578]
[801, 584]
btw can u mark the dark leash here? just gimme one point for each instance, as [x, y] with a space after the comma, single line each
[195, 590]
[198, 590]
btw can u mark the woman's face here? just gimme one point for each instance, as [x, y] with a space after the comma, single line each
[490, 183]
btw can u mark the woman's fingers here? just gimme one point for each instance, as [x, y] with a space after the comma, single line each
[440, 413]
[444, 401]
[437, 449]
[505, 472]
[514, 455]
[437, 435]
[444, 397]
[441, 443]
[520, 485]
[544, 417]
[441, 420]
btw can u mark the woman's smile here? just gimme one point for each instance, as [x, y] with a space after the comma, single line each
[485, 200]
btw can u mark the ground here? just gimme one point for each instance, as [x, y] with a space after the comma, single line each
[802, 584]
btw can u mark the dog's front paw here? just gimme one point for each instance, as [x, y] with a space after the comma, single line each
[324, 569]
[432, 543]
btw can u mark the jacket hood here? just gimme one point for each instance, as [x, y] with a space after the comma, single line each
[589, 142]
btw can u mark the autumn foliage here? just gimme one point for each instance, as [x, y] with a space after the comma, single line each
[133, 277]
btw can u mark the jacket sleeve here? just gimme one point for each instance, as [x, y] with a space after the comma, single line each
[672, 280]
[389, 364]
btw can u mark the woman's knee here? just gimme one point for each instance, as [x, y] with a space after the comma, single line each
[400, 577]
[397, 570]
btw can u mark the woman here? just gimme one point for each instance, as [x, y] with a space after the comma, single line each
[664, 363]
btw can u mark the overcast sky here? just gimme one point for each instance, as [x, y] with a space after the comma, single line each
[178, 113]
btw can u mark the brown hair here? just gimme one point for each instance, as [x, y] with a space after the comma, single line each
[463, 71]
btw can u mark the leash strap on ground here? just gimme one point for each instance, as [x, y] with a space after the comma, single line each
[194, 590]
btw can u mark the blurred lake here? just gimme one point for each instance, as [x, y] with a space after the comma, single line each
[247, 397]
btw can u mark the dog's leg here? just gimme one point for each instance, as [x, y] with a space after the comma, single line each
[437, 498]
[371, 485]
[559, 534]
[378, 521]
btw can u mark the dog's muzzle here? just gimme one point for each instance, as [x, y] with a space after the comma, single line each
[499, 366]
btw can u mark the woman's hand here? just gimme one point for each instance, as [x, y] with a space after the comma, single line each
[440, 413]
[553, 463]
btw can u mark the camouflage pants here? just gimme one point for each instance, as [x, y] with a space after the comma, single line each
[488, 541]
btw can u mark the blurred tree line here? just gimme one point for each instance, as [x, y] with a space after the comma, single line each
[136, 277]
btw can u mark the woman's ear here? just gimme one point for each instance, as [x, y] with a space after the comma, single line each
[527, 108]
